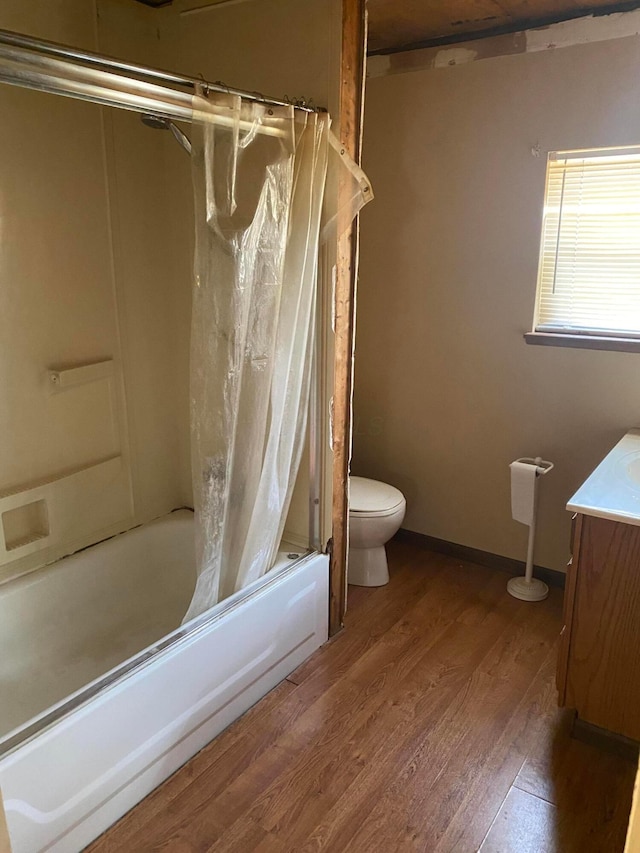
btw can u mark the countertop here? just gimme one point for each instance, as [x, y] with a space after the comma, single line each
[613, 490]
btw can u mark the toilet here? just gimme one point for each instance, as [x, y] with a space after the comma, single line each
[376, 511]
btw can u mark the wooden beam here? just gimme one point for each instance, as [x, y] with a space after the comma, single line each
[633, 833]
[5, 843]
[354, 37]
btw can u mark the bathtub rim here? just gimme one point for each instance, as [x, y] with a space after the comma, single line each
[36, 726]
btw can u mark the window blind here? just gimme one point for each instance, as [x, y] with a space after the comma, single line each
[589, 272]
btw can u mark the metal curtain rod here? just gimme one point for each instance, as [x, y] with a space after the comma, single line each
[95, 60]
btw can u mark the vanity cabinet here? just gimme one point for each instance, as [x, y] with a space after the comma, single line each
[599, 661]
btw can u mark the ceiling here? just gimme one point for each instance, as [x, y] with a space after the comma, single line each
[398, 24]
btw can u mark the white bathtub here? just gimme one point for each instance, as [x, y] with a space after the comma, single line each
[79, 748]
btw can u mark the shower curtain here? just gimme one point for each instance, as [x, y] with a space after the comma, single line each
[259, 176]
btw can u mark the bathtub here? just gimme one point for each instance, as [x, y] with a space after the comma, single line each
[104, 694]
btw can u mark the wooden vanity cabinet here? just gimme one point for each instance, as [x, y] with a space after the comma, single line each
[599, 661]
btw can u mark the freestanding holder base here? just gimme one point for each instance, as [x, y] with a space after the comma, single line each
[528, 590]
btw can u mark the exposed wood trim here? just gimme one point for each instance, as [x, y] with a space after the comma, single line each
[354, 35]
[522, 24]
[482, 558]
[633, 833]
[549, 339]
[5, 841]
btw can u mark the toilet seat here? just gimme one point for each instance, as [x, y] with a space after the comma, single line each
[373, 499]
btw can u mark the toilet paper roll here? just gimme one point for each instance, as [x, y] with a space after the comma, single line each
[523, 491]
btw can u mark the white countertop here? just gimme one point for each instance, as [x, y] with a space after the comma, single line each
[613, 490]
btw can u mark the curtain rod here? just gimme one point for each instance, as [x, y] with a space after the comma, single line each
[95, 60]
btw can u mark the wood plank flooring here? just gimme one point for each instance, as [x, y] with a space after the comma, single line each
[429, 724]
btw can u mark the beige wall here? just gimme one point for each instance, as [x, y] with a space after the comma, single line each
[65, 21]
[447, 392]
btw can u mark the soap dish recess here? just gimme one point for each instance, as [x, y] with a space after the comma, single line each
[25, 524]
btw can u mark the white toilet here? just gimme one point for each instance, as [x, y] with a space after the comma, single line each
[376, 511]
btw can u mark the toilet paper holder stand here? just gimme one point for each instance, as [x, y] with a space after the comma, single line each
[528, 588]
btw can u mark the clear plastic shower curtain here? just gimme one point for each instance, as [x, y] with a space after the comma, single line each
[259, 177]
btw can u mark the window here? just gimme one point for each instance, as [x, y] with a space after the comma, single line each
[589, 272]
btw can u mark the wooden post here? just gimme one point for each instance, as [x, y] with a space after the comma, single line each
[5, 843]
[633, 832]
[354, 36]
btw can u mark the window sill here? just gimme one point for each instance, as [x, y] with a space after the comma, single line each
[549, 339]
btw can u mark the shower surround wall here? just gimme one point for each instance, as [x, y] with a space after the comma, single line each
[91, 273]
[58, 314]
[97, 251]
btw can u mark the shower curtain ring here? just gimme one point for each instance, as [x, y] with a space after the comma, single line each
[300, 102]
[204, 86]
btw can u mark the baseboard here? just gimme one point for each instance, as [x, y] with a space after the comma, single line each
[482, 558]
[604, 739]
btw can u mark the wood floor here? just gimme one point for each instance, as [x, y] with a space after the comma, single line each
[430, 724]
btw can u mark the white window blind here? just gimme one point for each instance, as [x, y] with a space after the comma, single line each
[589, 273]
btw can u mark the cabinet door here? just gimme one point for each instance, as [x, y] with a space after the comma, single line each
[569, 601]
[603, 673]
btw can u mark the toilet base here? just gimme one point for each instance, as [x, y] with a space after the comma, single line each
[368, 566]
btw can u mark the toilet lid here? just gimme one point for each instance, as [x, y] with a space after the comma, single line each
[368, 496]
